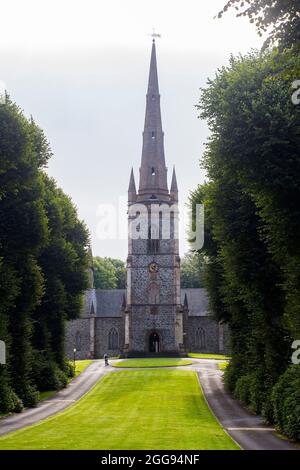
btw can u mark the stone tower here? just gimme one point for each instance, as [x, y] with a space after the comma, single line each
[153, 314]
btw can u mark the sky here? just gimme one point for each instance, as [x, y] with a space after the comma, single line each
[80, 68]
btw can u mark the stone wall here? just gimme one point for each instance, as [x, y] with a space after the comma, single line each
[203, 335]
[102, 329]
[143, 323]
[80, 326]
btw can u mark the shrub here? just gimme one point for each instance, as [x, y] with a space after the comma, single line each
[47, 374]
[69, 369]
[16, 403]
[242, 391]
[286, 402]
[251, 390]
[231, 376]
[30, 396]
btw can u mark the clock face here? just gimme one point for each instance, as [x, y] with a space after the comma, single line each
[153, 267]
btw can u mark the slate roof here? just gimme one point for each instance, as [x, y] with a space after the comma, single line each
[108, 302]
[89, 298]
[197, 301]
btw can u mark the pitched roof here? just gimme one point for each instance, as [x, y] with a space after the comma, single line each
[197, 300]
[109, 302]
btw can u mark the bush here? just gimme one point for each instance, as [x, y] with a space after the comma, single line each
[9, 401]
[5, 393]
[242, 391]
[47, 375]
[231, 376]
[69, 369]
[251, 390]
[30, 397]
[286, 402]
[16, 403]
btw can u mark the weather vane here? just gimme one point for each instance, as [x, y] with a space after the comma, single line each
[155, 35]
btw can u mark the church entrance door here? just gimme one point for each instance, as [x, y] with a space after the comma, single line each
[154, 343]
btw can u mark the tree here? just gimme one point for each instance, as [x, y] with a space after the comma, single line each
[23, 230]
[109, 273]
[43, 263]
[120, 272]
[191, 272]
[282, 16]
[64, 263]
[252, 218]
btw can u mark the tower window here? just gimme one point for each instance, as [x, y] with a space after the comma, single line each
[153, 171]
[153, 135]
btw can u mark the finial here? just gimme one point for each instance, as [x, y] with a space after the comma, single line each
[155, 35]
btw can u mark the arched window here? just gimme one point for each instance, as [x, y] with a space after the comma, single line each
[113, 339]
[200, 339]
[78, 341]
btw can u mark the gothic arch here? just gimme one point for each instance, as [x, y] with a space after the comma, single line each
[113, 339]
[154, 342]
[200, 338]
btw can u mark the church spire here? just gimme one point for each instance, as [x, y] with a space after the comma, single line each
[174, 187]
[153, 171]
[131, 188]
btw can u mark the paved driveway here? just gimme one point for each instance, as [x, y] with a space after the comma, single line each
[248, 430]
[78, 387]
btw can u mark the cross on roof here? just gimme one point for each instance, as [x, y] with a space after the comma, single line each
[155, 35]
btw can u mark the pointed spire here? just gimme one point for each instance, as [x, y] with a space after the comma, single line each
[174, 187]
[153, 171]
[131, 188]
[185, 302]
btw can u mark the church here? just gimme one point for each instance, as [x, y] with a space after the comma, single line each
[153, 315]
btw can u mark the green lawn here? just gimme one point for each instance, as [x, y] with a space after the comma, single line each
[208, 356]
[80, 366]
[153, 362]
[136, 409]
[223, 365]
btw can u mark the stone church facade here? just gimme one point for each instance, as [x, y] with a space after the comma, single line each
[153, 315]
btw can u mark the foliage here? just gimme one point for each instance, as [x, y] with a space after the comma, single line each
[286, 402]
[109, 273]
[191, 272]
[252, 229]
[279, 18]
[43, 261]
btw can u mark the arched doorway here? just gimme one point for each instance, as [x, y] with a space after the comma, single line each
[154, 346]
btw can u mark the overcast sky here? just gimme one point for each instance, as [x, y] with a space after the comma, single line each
[80, 67]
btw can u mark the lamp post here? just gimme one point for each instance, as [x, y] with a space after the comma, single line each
[74, 360]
